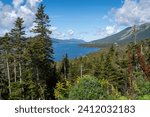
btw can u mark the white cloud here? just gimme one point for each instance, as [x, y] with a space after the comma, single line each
[7, 15]
[133, 12]
[70, 32]
[27, 14]
[19, 8]
[17, 3]
[58, 35]
[33, 3]
[109, 30]
[53, 28]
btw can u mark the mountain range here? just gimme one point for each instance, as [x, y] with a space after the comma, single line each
[125, 36]
[69, 41]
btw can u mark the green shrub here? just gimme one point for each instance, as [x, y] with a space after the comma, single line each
[122, 98]
[16, 91]
[142, 86]
[88, 88]
[62, 89]
[144, 97]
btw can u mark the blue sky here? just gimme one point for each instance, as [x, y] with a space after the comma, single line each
[81, 19]
[81, 16]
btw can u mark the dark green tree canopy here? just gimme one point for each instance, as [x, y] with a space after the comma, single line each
[42, 23]
[18, 31]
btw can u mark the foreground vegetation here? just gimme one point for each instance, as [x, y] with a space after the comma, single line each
[28, 71]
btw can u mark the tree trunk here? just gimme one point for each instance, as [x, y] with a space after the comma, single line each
[65, 72]
[129, 73]
[8, 74]
[42, 91]
[20, 73]
[15, 73]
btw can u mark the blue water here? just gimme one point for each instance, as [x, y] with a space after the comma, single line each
[72, 49]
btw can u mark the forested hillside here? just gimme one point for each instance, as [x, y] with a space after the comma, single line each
[28, 70]
[113, 73]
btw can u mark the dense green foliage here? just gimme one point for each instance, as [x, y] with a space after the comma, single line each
[124, 71]
[89, 88]
[27, 69]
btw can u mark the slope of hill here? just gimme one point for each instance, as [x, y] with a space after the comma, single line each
[125, 36]
[79, 41]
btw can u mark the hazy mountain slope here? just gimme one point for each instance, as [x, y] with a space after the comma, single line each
[125, 36]
[68, 41]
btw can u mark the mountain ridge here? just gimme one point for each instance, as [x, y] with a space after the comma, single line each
[125, 36]
[79, 41]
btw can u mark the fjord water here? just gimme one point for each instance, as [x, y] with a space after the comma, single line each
[73, 50]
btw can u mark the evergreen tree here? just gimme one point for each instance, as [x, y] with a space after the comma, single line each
[42, 52]
[43, 32]
[17, 35]
[65, 66]
[5, 59]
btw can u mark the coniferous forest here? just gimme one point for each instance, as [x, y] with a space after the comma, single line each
[28, 70]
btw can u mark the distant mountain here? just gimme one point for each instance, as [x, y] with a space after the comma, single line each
[125, 36]
[78, 41]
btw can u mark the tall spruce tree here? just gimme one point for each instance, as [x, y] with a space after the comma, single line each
[42, 53]
[43, 33]
[17, 35]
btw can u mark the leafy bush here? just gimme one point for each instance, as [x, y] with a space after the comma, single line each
[144, 97]
[62, 89]
[122, 98]
[143, 86]
[16, 91]
[88, 88]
